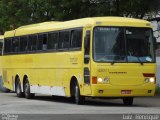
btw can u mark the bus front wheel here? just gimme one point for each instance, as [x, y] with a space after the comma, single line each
[128, 101]
[27, 93]
[79, 100]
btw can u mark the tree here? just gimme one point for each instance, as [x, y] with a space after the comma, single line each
[16, 13]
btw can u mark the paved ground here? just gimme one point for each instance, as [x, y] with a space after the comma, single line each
[46, 107]
[9, 103]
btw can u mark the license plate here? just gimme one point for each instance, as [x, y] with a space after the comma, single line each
[125, 91]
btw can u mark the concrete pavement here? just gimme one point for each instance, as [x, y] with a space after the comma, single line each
[9, 103]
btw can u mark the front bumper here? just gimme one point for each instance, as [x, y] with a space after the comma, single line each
[103, 90]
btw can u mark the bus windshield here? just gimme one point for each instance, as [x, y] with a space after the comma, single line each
[119, 44]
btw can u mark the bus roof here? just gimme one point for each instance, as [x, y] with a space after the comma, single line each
[9, 33]
[90, 22]
[38, 24]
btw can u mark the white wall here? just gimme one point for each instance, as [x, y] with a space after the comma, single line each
[158, 71]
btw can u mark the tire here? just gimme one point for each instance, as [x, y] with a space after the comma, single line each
[79, 100]
[128, 101]
[19, 92]
[27, 93]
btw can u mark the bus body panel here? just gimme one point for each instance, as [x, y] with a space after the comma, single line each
[44, 71]
[123, 76]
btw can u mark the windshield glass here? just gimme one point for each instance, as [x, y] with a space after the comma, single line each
[118, 44]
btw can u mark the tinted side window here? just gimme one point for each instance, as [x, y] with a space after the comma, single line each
[66, 40]
[76, 38]
[87, 42]
[60, 40]
[42, 41]
[32, 43]
[63, 41]
[7, 45]
[1, 46]
[23, 43]
[15, 45]
[52, 40]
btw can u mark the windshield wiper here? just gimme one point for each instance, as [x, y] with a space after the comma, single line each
[112, 63]
[140, 60]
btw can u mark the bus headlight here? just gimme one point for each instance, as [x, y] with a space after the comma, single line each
[152, 80]
[100, 80]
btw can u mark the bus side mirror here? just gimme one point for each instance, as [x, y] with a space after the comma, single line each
[87, 47]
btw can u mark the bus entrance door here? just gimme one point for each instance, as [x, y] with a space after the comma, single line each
[87, 83]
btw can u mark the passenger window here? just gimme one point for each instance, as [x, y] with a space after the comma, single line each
[42, 42]
[23, 43]
[60, 41]
[63, 41]
[7, 45]
[1, 46]
[32, 43]
[66, 40]
[15, 44]
[87, 47]
[76, 38]
[87, 42]
[52, 40]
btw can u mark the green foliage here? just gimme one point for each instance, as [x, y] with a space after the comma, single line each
[15, 13]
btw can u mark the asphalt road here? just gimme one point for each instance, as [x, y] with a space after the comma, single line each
[46, 107]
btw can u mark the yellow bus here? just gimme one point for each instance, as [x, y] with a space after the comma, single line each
[99, 57]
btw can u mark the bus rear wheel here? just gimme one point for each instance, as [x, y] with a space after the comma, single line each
[27, 93]
[79, 100]
[128, 101]
[19, 92]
